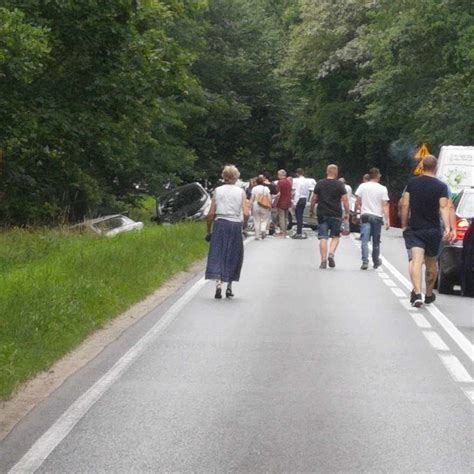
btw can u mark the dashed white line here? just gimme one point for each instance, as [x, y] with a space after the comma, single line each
[455, 368]
[453, 332]
[435, 341]
[389, 282]
[398, 293]
[420, 320]
[382, 274]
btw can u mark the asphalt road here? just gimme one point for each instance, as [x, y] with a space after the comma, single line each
[305, 370]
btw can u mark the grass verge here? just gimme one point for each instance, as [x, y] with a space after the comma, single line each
[56, 288]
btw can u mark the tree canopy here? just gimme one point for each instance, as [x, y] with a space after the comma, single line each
[101, 101]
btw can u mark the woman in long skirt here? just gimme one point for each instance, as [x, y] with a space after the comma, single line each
[225, 219]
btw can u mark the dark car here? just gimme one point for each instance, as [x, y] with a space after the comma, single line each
[453, 260]
[188, 202]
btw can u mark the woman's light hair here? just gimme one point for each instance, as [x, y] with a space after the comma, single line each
[230, 174]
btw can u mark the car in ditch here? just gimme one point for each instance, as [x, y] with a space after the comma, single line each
[188, 202]
[452, 258]
[108, 226]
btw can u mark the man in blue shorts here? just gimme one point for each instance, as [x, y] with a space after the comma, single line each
[424, 199]
[328, 194]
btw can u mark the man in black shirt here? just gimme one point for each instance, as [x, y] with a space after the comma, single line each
[328, 194]
[425, 197]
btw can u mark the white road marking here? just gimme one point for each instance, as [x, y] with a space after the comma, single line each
[455, 368]
[435, 340]
[399, 293]
[390, 283]
[420, 320]
[469, 394]
[407, 305]
[45, 445]
[450, 361]
[457, 336]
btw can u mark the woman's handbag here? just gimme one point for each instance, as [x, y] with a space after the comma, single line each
[265, 201]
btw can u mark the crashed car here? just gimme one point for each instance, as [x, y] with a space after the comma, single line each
[188, 202]
[109, 226]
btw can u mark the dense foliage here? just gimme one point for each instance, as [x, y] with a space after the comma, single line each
[101, 101]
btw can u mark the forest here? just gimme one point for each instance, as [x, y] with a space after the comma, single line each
[102, 102]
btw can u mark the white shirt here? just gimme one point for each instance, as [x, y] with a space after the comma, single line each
[372, 196]
[228, 199]
[301, 188]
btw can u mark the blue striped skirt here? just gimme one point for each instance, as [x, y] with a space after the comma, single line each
[226, 251]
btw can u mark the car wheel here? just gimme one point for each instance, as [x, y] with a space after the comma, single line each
[445, 286]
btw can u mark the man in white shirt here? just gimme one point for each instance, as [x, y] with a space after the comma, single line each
[372, 199]
[300, 197]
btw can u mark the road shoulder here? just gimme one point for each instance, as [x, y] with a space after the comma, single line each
[44, 384]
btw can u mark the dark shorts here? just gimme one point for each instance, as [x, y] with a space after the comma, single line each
[329, 226]
[428, 239]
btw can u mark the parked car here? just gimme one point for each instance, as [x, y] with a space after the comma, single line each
[451, 256]
[109, 225]
[188, 202]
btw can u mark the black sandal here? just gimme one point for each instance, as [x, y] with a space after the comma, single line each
[218, 294]
[228, 293]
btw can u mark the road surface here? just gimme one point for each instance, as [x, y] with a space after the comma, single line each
[305, 370]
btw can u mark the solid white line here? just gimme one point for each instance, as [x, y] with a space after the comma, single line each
[43, 447]
[397, 292]
[455, 368]
[457, 336]
[420, 320]
[435, 341]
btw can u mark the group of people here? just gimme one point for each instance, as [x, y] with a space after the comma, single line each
[424, 200]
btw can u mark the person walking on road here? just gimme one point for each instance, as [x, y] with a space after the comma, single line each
[301, 189]
[261, 202]
[283, 205]
[372, 200]
[227, 213]
[328, 195]
[424, 199]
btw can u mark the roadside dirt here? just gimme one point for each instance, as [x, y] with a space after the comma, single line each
[40, 387]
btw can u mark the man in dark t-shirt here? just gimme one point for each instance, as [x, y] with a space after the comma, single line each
[425, 197]
[328, 194]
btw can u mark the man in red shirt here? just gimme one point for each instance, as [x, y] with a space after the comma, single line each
[284, 186]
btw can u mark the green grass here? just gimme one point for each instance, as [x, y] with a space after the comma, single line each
[57, 287]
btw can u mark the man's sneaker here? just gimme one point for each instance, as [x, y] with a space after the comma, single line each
[378, 263]
[365, 266]
[331, 261]
[412, 297]
[297, 236]
[324, 264]
[430, 299]
[417, 300]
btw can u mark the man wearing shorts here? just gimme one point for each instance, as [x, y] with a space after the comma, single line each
[328, 194]
[425, 197]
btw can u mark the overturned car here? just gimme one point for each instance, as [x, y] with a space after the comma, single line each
[188, 202]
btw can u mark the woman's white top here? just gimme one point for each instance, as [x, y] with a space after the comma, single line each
[258, 191]
[228, 199]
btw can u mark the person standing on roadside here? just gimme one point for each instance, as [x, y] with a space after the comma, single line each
[283, 205]
[260, 195]
[328, 195]
[372, 200]
[226, 251]
[424, 199]
[300, 198]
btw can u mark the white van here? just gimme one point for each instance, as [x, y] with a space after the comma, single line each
[456, 167]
